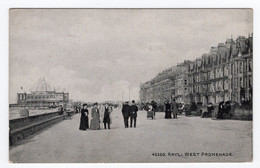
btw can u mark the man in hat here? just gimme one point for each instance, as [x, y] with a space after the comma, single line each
[126, 110]
[133, 114]
[61, 110]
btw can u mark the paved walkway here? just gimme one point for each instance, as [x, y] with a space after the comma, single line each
[64, 143]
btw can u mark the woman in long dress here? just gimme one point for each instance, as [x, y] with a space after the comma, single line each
[84, 118]
[174, 108]
[95, 121]
[101, 110]
[168, 110]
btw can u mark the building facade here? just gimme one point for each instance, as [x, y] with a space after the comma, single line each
[181, 83]
[42, 95]
[159, 88]
[172, 82]
[223, 74]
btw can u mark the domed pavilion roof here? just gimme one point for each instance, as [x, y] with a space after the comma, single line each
[41, 86]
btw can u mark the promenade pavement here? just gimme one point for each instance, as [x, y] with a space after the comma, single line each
[161, 140]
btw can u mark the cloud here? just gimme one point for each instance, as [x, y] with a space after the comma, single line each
[97, 54]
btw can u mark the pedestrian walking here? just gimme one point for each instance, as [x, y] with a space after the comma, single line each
[167, 110]
[84, 118]
[61, 110]
[110, 114]
[95, 121]
[106, 118]
[126, 113]
[133, 114]
[174, 108]
[221, 109]
[210, 109]
[101, 108]
[228, 110]
[154, 104]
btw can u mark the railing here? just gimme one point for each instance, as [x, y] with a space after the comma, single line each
[23, 127]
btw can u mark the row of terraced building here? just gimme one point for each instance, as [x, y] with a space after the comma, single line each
[223, 74]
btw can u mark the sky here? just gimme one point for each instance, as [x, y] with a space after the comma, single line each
[105, 54]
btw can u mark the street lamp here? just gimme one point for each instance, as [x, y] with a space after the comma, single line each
[129, 93]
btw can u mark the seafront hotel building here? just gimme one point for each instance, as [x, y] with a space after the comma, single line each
[223, 74]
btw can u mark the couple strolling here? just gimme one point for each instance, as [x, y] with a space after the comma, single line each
[171, 108]
[130, 111]
[95, 117]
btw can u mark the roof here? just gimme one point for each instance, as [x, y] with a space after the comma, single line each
[41, 86]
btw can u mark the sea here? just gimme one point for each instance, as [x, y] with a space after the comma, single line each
[14, 112]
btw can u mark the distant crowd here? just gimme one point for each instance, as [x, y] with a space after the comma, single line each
[101, 113]
[171, 108]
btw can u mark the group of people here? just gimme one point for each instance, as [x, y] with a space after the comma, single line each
[130, 111]
[95, 117]
[224, 110]
[171, 109]
[222, 113]
[209, 111]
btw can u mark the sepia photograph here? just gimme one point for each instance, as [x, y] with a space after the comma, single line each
[126, 85]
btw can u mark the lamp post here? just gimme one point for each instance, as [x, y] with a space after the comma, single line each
[129, 93]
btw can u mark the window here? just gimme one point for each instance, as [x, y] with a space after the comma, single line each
[250, 81]
[230, 69]
[185, 82]
[226, 85]
[235, 82]
[245, 84]
[226, 71]
[241, 67]
[235, 66]
[212, 75]
[220, 72]
[250, 66]
[245, 67]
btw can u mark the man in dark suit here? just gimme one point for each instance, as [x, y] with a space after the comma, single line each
[61, 110]
[133, 114]
[126, 110]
